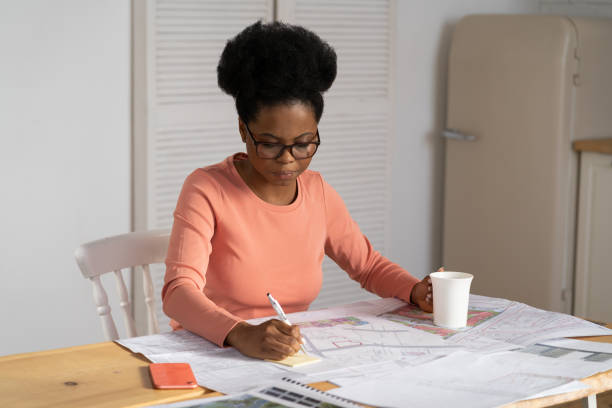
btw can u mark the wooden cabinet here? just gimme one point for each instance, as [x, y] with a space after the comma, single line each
[594, 231]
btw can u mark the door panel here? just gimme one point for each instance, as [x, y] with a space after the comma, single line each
[507, 192]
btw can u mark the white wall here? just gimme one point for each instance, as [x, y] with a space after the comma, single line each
[64, 161]
[583, 8]
[424, 30]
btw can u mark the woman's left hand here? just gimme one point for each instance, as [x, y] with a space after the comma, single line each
[422, 294]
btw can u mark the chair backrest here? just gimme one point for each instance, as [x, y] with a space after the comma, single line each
[132, 250]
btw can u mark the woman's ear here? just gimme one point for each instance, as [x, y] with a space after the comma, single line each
[242, 130]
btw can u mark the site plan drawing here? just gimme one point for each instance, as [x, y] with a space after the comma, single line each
[371, 344]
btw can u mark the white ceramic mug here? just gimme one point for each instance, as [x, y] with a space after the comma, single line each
[451, 295]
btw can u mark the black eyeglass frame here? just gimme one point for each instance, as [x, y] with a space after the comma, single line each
[284, 146]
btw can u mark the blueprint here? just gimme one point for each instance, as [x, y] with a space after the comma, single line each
[467, 379]
[463, 379]
[365, 340]
[368, 343]
[498, 324]
[522, 325]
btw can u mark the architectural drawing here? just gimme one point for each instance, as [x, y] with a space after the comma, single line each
[412, 316]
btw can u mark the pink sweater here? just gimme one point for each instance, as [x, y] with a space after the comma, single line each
[228, 248]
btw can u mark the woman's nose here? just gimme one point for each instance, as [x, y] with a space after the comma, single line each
[285, 155]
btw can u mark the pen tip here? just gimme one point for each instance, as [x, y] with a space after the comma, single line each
[268, 294]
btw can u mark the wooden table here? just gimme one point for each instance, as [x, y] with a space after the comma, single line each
[108, 375]
[94, 375]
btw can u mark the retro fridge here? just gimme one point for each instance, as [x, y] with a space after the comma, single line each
[521, 88]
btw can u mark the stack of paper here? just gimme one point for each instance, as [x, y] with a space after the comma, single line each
[387, 353]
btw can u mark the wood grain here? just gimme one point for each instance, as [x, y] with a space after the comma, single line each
[594, 145]
[94, 375]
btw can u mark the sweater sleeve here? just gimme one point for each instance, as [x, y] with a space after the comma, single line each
[187, 260]
[353, 252]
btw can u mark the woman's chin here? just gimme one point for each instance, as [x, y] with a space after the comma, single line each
[284, 183]
[283, 179]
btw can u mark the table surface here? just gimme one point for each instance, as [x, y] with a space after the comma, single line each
[594, 145]
[108, 375]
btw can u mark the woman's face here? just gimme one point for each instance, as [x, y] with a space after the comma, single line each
[284, 124]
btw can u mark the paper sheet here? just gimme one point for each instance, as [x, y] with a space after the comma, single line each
[467, 379]
[355, 341]
[584, 346]
[562, 389]
[522, 325]
[498, 324]
[221, 369]
[463, 379]
[284, 393]
[344, 337]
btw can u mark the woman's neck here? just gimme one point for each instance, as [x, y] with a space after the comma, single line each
[270, 193]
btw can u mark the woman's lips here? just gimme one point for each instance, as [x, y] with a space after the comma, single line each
[284, 175]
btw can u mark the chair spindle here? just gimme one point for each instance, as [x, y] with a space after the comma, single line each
[150, 300]
[101, 300]
[124, 301]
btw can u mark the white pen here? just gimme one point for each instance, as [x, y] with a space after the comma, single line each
[281, 314]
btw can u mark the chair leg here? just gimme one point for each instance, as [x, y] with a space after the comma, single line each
[590, 401]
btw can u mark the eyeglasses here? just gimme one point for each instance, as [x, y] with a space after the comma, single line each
[300, 151]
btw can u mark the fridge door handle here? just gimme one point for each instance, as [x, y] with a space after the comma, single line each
[457, 135]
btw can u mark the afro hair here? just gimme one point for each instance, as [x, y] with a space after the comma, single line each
[273, 64]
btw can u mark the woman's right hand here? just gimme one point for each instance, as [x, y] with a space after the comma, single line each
[272, 339]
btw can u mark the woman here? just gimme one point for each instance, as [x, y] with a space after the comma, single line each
[261, 222]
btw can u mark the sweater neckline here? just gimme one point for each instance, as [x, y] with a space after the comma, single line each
[254, 197]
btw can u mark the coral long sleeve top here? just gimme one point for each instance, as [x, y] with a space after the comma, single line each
[228, 248]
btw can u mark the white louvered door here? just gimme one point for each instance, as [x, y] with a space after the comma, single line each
[356, 127]
[183, 121]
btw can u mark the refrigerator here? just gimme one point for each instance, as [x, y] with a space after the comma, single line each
[521, 88]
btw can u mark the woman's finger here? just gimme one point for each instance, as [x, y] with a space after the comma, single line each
[288, 330]
[277, 348]
[297, 335]
[295, 332]
[280, 325]
[426, 306]
[286, 334]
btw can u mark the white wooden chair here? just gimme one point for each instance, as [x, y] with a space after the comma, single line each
[135, 249]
